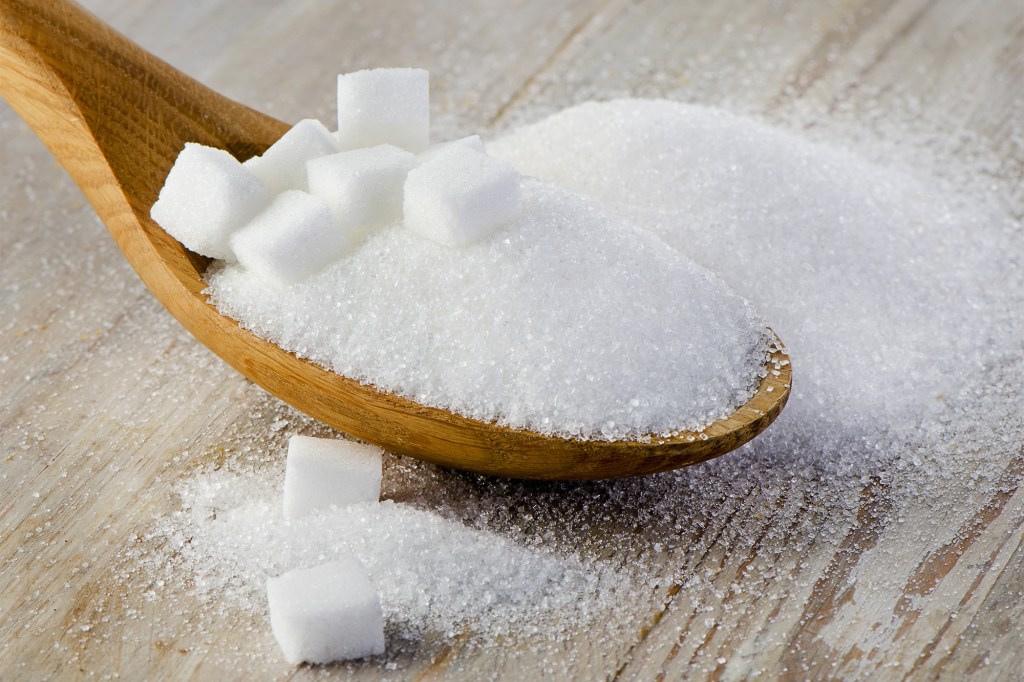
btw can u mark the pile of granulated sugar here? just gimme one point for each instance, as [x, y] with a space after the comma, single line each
[568, 321]
[434, 575]
[873, 279]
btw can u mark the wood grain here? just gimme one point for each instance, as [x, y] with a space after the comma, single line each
[102, 395]
[63, 68]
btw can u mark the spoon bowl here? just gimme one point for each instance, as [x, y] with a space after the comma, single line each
[116, 117]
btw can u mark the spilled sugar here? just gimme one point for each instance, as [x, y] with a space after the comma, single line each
[904, 412]
[569, 321]
[434, 575]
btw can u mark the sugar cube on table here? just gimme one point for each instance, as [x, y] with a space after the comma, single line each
[384, 106]
[293, 238]
[363, 187]
[460, 196]
[328, 613]
[320, 472]
[471, 141]
[207, 196]
[283, 165]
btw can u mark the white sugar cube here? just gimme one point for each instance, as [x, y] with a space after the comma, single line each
[293, 238]
[472, 141]
[460, 196]
[321, 472]
[328, 613]
[384, 106]
[363, 188]
[283, 166]
[207, 196]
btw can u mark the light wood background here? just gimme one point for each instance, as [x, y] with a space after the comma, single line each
[104, 402]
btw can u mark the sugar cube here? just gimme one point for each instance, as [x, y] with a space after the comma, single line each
[472, 141]
[363, 187]
[460, 196]
[293, 238]
[384, 106]
[327, 613]
[321, 472]
[283, 165]
[207, 196]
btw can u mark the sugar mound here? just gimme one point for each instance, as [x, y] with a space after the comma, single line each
[569, 321]
[433, 575]
[865, 272]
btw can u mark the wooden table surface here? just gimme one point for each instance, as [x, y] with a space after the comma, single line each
[101, 394]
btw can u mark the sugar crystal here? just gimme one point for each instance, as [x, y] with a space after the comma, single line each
[854, 265]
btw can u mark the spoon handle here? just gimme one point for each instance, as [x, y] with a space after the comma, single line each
[114, 115]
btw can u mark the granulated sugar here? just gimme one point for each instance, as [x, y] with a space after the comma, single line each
[568, 321]
[433, 575]
[854, 545]
[870, 276]
[865, 449]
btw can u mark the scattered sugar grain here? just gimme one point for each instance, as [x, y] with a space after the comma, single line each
[434, 575]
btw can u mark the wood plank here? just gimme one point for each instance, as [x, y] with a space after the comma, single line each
[101, 393]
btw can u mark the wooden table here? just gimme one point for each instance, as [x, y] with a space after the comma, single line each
[104, 402]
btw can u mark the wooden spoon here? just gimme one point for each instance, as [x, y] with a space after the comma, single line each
[116, 117]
